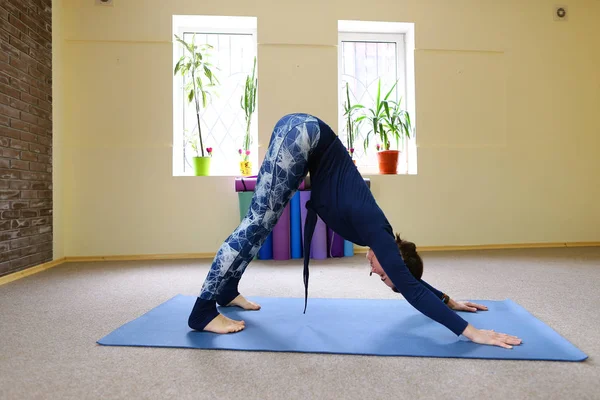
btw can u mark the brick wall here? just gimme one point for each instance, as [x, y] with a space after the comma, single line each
[25, 134]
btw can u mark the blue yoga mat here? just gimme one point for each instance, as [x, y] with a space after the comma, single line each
[347, 326]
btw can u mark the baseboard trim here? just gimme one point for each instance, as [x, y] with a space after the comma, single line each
[497, 246]
[357, 250]
[142, 257]
[583, 244]
[42, 267]
[30, 271]
[509, 246]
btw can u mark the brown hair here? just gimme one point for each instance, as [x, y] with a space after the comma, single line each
[411, 258]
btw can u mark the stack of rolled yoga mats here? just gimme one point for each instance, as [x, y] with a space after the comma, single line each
[286, 241]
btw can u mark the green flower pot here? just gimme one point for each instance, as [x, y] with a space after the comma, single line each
[201, 166]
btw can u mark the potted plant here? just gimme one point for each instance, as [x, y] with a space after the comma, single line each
[397, 124]
[194, 65]
[248, 104]
[352, 123]
[388, 120]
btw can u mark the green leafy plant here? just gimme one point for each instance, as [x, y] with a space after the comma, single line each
[352, 122]
[248, 104]
[376, 116]
[202, 81]
[193, 142]
[397, 122]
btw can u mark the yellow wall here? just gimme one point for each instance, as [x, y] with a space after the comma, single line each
[507, 100]
[58, 103]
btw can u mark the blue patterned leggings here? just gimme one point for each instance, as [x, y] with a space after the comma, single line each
[285, 166]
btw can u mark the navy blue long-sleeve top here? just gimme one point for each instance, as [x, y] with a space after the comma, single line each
[340, 196]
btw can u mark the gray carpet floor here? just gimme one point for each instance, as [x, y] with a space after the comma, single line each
[49, 324]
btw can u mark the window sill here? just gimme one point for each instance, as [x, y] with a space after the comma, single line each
[368, 170]
[367, 174]
[230, 176]
[207, 176]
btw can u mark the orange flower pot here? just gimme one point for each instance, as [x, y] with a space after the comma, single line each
[388, 161]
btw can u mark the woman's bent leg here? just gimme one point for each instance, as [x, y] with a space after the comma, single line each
[284, 168]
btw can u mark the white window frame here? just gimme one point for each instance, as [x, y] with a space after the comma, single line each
[402, 34]
[206, 25]
[397, 38]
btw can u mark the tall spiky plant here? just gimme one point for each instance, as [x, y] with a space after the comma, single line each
[248, 104]
[194, 64]
[397, 121]
[376, 116]
[352, 123]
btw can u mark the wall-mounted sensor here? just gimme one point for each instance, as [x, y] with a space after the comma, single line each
[108, 3]
[560, 13]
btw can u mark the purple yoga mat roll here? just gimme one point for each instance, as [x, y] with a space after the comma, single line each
[248, 184]
[319, 241]
[335, 243]
[318, 245]
[281, 236]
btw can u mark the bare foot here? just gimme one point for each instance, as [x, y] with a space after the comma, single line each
[240, 301]
[222, 324]
[242, 322]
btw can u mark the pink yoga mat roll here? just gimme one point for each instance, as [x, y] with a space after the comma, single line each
[248, 184]
[281, 236]
[318, 245]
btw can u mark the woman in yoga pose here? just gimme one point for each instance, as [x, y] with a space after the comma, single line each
[302, 144]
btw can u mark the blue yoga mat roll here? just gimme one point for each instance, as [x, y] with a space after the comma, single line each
[266, 251]
[295, 227]
[348, 248]
[281, 236]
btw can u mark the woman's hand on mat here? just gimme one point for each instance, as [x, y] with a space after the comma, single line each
[491, 337]
[466, 306]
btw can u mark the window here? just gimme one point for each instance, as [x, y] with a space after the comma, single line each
[370, 52]
[223, 121]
